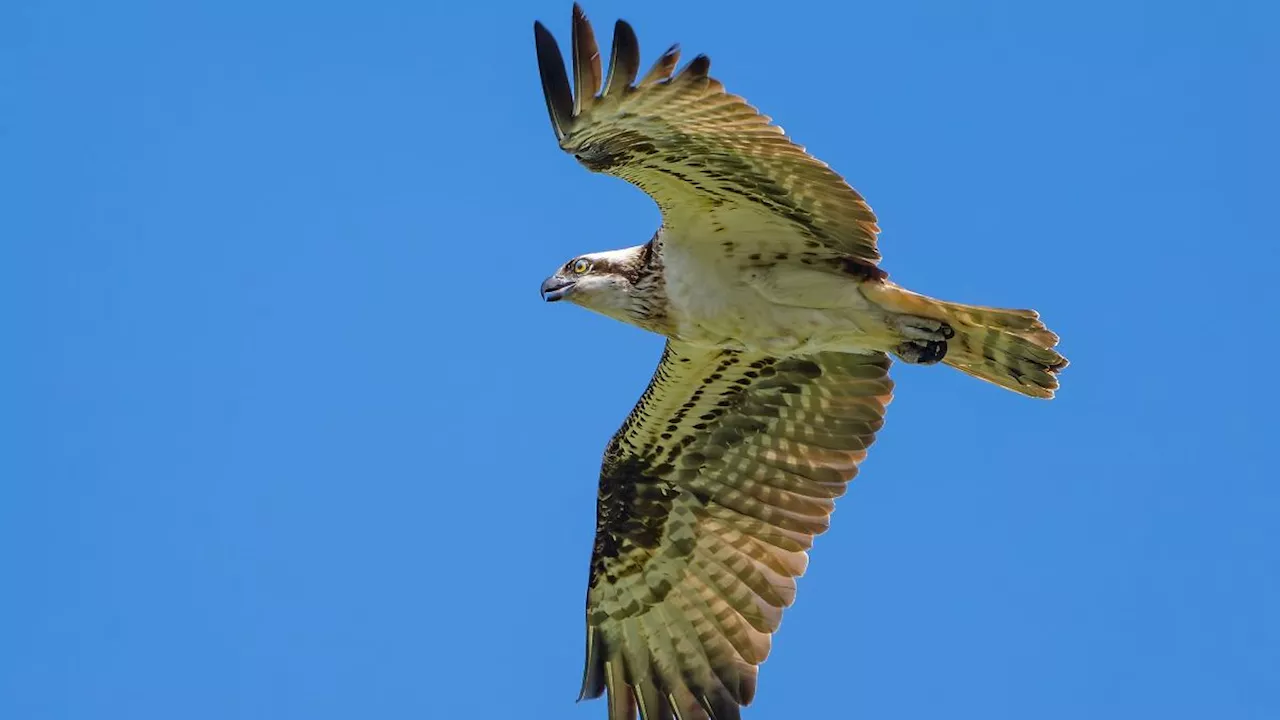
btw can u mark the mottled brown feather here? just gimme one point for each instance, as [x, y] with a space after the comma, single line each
[710, 160]
[700, 533]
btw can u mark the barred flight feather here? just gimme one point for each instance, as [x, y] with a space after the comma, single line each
[724, 493]
[705, 156]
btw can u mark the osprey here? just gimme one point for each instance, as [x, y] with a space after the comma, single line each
[764, 278]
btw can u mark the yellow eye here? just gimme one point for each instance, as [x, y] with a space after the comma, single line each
[581, 266]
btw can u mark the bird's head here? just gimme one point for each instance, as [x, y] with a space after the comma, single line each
[604, 282]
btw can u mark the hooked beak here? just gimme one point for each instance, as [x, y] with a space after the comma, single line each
[556, 288]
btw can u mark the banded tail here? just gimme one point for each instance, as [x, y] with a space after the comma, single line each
[1011, 348]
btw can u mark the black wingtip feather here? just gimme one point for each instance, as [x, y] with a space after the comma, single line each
[698, 67]
[593, 670]
[721, 707]
[624, 58]
[664, 66]
[555, 81]
[747, 688]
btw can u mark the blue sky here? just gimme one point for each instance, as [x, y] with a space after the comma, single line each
[285, 431]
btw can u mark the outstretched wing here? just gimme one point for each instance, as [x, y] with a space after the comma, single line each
[711, 493]
[710, 160]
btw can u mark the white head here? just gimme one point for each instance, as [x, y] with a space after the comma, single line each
[611, 283]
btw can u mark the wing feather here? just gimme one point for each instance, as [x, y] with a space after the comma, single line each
[586, 62]
[697, 68]
[662, 67]
[593, 673]
[710, 160]
[711, 493]
[624, 60]
[555, 82]
[622, 703]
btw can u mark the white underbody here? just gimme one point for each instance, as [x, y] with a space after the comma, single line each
[785, 308]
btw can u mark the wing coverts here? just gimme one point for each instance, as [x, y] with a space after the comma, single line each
[706, 157]
[710, 495]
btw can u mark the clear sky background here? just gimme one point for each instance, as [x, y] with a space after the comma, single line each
[285, 431]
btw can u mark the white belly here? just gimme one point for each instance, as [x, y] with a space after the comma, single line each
[786, 309]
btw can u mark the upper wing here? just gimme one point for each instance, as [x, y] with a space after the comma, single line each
[710, 495]
[709, 159]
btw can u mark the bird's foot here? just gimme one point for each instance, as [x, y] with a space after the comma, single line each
[914, 327]
[921, 352]
[925, 339]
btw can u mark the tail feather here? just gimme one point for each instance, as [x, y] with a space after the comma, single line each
[1021, 360]
[1011, 348]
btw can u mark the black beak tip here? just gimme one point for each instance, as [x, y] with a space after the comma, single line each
[554, 288]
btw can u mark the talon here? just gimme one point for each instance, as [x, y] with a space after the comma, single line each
[935, 350]
[922, 352]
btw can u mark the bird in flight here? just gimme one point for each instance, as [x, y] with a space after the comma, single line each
[780, 324]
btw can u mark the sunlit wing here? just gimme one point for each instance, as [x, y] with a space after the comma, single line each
[710, 495]
[710, 160]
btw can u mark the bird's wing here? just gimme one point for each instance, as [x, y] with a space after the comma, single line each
[710, 160]
[710, 495]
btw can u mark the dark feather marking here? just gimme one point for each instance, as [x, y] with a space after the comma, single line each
[633, 507]
[621, 149]
[859, 269]
[634, 500]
